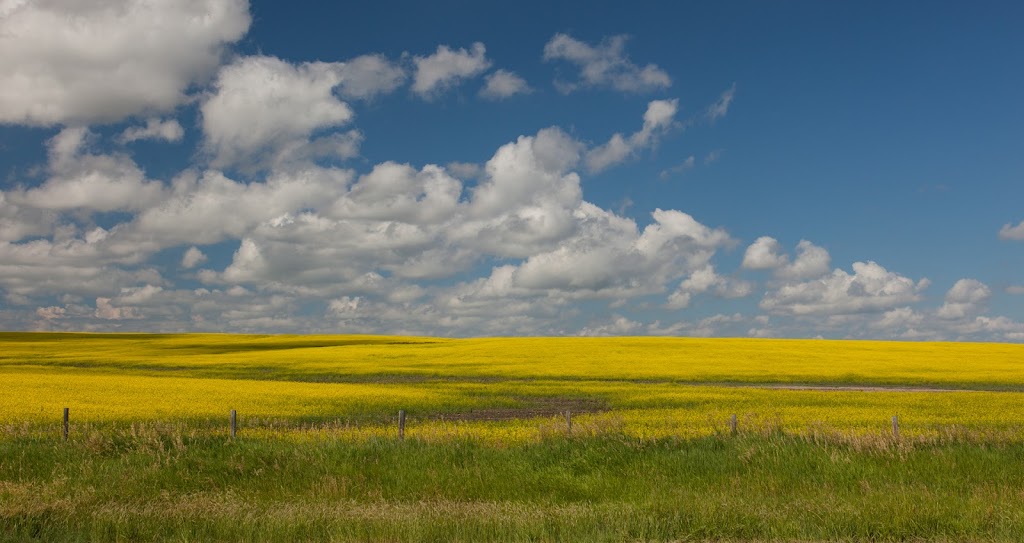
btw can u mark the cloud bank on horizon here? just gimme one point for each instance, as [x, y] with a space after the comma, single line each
[274, 220]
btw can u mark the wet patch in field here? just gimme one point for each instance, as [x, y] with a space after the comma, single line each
[531, 408]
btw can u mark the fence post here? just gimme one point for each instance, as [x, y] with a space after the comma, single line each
[568, 420]
[401, 424]
[732, 424]
[65, 424]
[234, 423]
[896, 426]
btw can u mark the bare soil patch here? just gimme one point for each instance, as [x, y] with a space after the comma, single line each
[533, 407]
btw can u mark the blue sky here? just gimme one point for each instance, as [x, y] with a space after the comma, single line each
[786, 169]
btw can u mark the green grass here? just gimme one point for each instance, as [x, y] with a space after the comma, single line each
[160, 483]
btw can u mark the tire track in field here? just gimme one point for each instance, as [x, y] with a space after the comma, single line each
[845, 388]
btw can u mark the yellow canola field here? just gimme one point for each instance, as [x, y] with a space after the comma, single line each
[505, 390]
[326, 358]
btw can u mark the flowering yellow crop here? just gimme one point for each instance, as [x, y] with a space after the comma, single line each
[506, 390]
[326, 358]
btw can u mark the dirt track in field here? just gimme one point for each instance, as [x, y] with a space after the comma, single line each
[850, 388]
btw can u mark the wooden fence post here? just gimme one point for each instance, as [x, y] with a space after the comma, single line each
[401, 424]
[568, 420]
[896, 426]
[732, 424]
[65, 424]
[234, 423]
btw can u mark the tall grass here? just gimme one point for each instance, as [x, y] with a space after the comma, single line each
[161, 482]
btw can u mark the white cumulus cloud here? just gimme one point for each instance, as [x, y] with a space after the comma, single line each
[966, 297]
[398, 192]
[658, 119]
[448, 67]
[154, 129]
[194, 211]
[464, 170]
[263, 105]
[192, 258]
[386, 230]
[503, 84]
[898, 319]
[606, 257]
[368, 76]
[108, 311]
[811, 261]
[94, 182]
[869, 288]
[703, 280]
[86, 62]
[604, 65]
[1010, 232]
[766, 254]
[19, 221]
[71, 262]
[616, 326]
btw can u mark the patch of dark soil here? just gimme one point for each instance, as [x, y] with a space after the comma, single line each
[532, 407]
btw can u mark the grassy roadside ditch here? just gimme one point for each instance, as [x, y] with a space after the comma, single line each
[163, 483]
